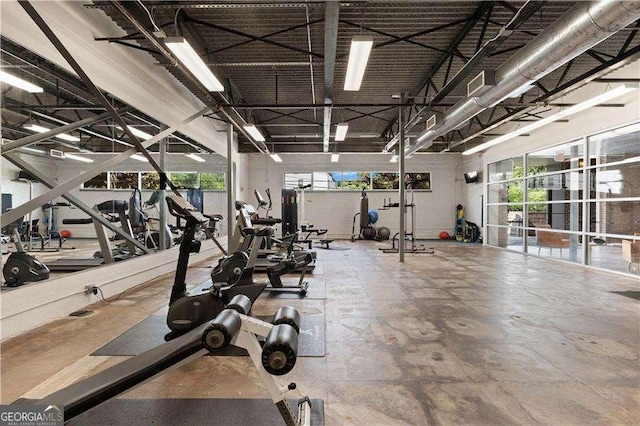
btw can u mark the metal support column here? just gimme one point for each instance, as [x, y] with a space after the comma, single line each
[586, 206]
[162, 204]
[401, 236]
[574, 206]
[525, 204]
[230, 184]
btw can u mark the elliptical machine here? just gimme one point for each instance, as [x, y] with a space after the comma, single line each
[188, 310]
[238, 267]
[20, 267]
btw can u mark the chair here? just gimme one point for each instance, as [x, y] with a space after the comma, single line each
[631, 252]
[550, 239]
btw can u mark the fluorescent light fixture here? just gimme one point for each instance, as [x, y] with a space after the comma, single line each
[335, 158]
[390, 144]
[190, 59]
[34, 150]
[19, 83]
[276, 158]
[196, 157]
[358, 57]
[139, 158]
[254, 132]
[78, 158]
[137, 132]
[41, 129]
[341, 132]
[604, 97]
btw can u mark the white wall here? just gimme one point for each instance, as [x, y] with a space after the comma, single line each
[334, 210]
[20, 189]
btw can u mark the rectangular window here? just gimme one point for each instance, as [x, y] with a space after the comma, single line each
[384, 180]
[418, 180]
[212, 181]
[352, 180]
[123, 180]
[149, 180]
[293, 180]
[97, 182]
[184, 179]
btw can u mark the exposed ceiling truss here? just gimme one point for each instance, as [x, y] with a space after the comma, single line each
[283, 65]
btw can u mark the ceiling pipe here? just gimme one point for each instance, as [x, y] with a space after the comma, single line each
[577, 30]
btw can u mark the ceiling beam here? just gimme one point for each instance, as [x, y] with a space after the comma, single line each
[331, 20]
[210, 98]
[29, 140]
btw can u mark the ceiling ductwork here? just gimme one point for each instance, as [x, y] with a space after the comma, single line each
[579, 29]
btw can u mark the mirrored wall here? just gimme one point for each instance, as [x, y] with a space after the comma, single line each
[578, 201]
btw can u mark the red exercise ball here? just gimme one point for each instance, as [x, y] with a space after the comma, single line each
[65, 233]
[444, 235]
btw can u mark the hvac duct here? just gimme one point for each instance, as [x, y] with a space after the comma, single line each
[579, 29]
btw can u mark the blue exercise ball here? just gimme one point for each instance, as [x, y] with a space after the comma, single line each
[373, 216]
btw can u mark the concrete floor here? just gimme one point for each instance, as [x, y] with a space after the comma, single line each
[469, 334]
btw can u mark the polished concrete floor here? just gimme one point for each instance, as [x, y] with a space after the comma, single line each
[469, 334]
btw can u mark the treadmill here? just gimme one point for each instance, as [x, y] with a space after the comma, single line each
[107, 208]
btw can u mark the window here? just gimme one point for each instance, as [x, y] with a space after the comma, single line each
[98, 182]
[418, 180]
[293, 180]
[123, 180]
[357, 181]
[351, 180]
[583, 192]
[212, 181]
[149, 180]
[384, 180]
[184, 179]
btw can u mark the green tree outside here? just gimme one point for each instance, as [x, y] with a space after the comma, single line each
[515, 191]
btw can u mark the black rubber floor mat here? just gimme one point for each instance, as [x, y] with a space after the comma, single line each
[150, 333]
[629, 293]
[189, 412]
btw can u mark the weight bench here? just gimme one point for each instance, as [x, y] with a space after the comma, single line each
[324, 243]
[310, 230]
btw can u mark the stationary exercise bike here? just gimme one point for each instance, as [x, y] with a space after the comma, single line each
[189, 310]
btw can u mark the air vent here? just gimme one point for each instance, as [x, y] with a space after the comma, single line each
[481, 83]
[431, 121]
[56, 153]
